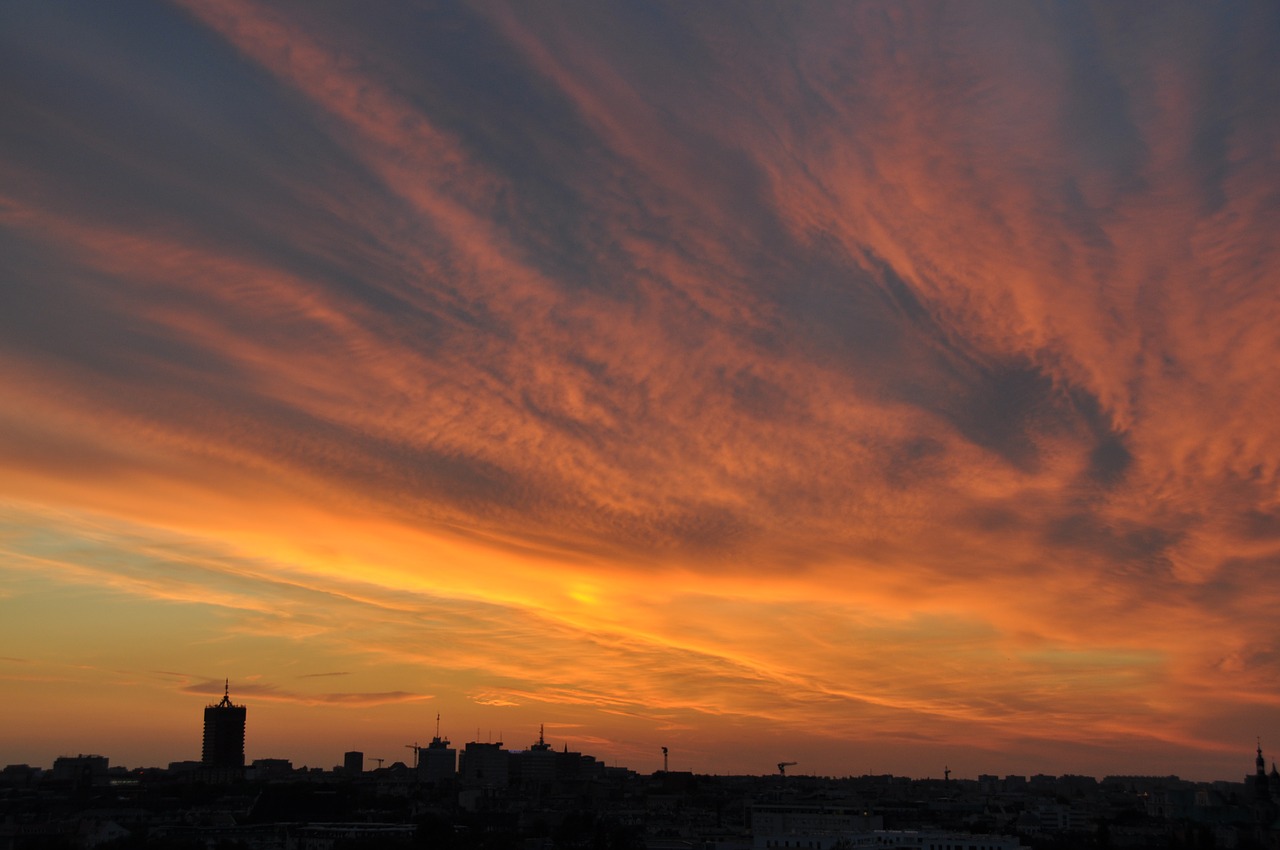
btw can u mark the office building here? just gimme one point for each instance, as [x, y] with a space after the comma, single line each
[223, 733]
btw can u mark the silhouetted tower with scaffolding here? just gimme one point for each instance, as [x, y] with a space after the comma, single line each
[223, 733]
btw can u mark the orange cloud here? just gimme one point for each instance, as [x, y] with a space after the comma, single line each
[881, 373]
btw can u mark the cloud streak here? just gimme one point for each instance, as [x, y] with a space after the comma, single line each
[899, 371]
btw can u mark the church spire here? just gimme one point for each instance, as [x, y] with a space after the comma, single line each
[1261, 782]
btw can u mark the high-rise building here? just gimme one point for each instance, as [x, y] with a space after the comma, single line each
[535, 765]
[353, 762]
[438, 762]
[484, 765]
[223, 733]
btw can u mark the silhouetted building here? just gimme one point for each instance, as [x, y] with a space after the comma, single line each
[272, 769]
[483, 771]
[438, 762]
[18, 775]
[1261, 782]
[484, 765]
[577, 767]
[81, 771]
[535, 765]
[353, 763]
[223, 733]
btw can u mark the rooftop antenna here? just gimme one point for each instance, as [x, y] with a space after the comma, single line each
[226, 694]
[437, 742]
[542, 744]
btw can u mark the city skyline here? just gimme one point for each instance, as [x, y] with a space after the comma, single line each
[875, 386]
[223, 755]
[223, 747]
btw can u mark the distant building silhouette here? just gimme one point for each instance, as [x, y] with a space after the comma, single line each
[1261, 782]
[224, 734]
[353, 763]
[536, 764]
[438, 761]
[271, 769]
[484, 773]
[484, 765]
[80, 771]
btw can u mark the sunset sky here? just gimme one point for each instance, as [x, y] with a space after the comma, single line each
[882, 387]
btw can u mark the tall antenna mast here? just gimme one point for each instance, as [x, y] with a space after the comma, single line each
[226, 694]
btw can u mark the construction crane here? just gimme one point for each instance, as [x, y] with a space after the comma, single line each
[783, 765]
[664, 759]
[379, 761]
[416, 749]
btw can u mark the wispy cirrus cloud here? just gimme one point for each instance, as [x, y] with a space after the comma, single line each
[893, 367]
[262, 691]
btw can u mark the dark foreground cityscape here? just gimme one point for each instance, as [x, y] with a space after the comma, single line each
[540, 798]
